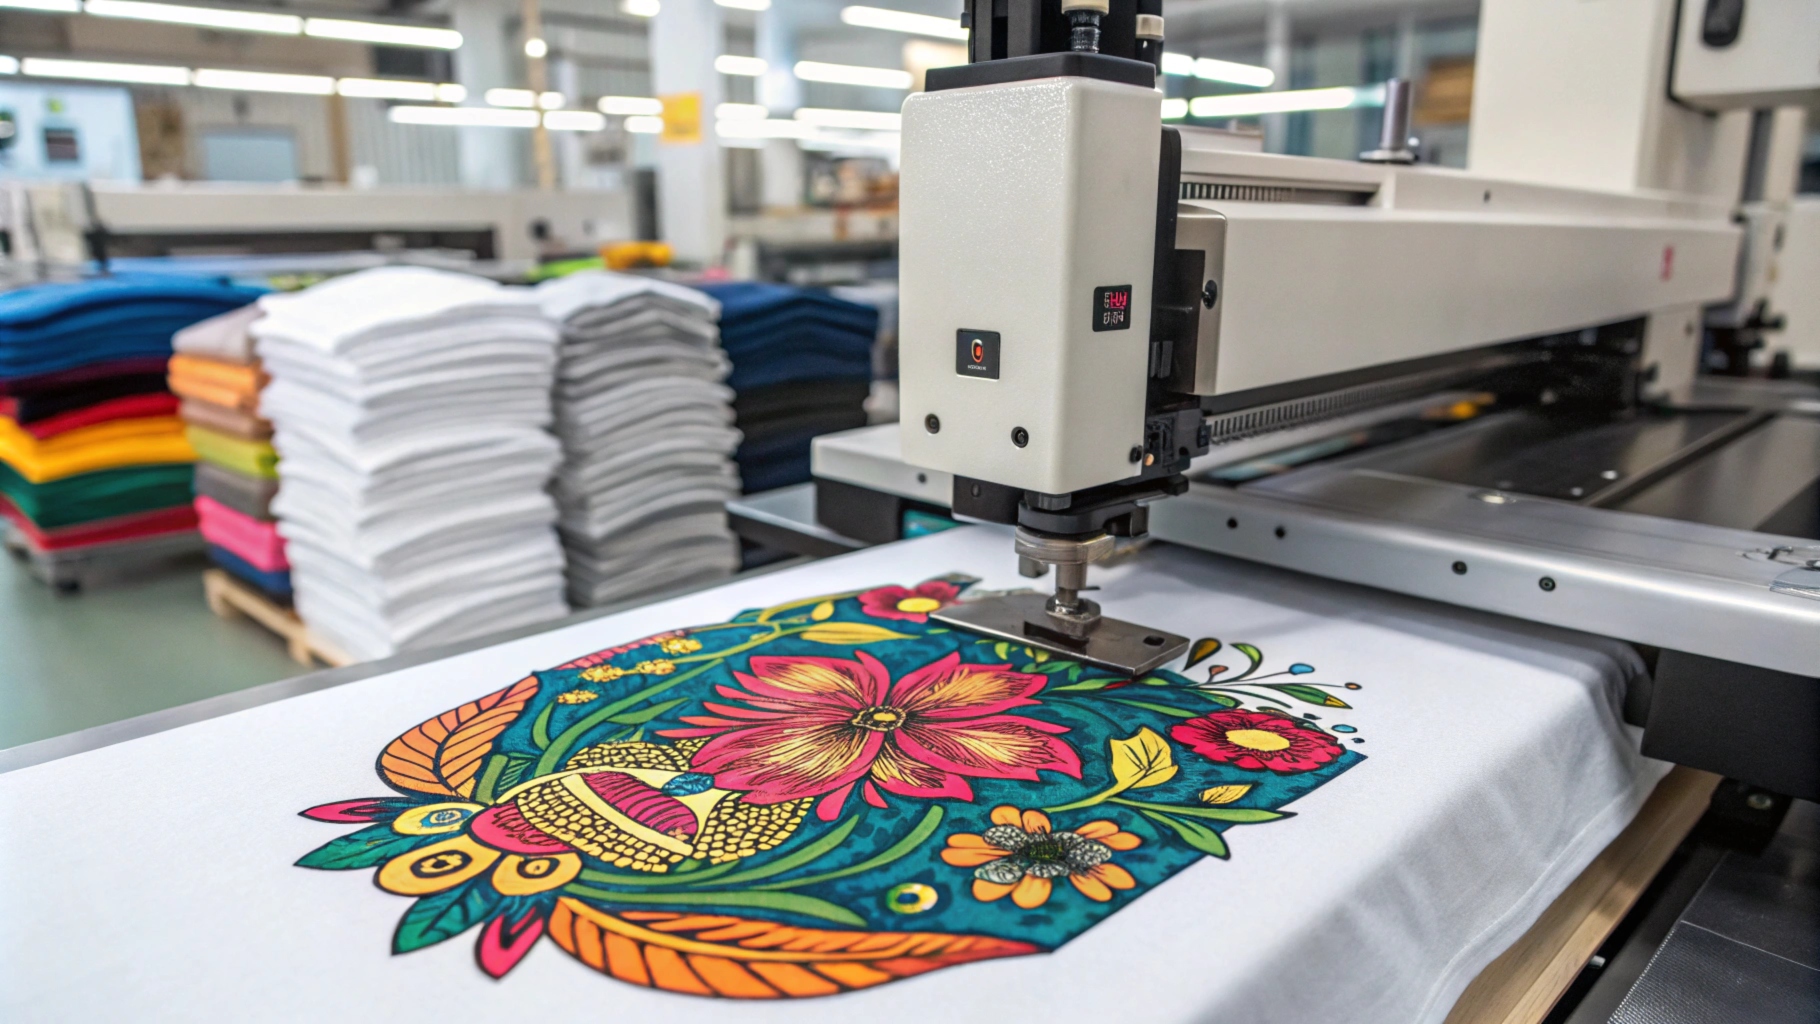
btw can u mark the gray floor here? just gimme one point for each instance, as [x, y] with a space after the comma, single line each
[119, 649]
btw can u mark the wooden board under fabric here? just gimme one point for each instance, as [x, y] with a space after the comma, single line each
[229, 598]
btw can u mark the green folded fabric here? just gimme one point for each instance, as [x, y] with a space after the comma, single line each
[254, 458]
[103, 494]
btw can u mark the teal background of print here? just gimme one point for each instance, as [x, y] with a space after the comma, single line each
[1094, 717]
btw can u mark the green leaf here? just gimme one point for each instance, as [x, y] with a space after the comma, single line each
[797, 858]
[1200, 651]
[540, 727]
[367, 848]
[444, 915]
[922, 831]
[643, 715]
[1161, 709]
[784, 902]
[1196, 835]
[1142, 760]
[1308, 694]
[1256, 656]
[1053, 667]
[1235, 815]
[1088, 684]
[1153, 681]
[1001, 649]
[848, 634]
[1218, 698]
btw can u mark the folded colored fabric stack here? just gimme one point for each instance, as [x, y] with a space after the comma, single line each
[91, 449]
[219, 378]
[802, 366]
[409, 409]
[647, 436]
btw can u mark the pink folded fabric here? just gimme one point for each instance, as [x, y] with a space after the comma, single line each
[256, 542]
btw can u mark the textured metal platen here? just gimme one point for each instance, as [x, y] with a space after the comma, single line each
[1115, 644]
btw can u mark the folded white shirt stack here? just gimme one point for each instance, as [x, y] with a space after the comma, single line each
[647, 436]
[410, 408]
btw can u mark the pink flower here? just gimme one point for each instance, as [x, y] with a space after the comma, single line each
[821, 726]
[1257, 740]
[911, 605]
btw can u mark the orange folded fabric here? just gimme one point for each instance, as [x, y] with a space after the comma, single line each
[221, 383]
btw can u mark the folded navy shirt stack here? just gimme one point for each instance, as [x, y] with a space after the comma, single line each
[802, 366]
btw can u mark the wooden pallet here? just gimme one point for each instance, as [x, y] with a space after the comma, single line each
[229, 597]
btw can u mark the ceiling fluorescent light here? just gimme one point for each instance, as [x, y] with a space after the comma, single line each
[389, 89]
[621, 106]
[9, 65]
[740, 112]
[750, 67]
[53, 6]
[574, 121]
[852, 74]
[1250, 104]
[764, 128]
[1178, 64]
[263, 81]
[511, 98]
[536, 49]
[206, 17]
[873, 120]
[639, 8]
[1175, 110]
[645, 125]
[102, 71]
[464, 117]
[1208, 69]
[383, 33]
[746, 5]
[451, 92]
[903, 21]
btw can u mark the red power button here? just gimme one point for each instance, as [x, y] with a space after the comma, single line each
[979, 351]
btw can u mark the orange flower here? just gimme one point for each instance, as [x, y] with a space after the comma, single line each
[1021, 855]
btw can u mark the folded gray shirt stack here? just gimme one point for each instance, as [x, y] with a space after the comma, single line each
[647, 436]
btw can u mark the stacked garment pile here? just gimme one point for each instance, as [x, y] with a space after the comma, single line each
[219, 379]
[93, 458]
[647, 435]
[802, 366]
[409, 407]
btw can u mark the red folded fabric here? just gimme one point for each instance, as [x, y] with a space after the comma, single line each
[129, 407]
[176, 519]
[81, 374]
[257, 543]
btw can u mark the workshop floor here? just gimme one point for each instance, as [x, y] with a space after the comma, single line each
[123, 648]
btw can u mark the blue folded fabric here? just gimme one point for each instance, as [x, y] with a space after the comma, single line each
[49, 328]
[776, 334]
[273, 584]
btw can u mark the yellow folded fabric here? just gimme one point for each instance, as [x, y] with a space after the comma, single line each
[212, 380]
[132, 442]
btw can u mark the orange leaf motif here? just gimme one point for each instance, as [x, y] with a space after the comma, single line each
[442, 756]
[743, 958]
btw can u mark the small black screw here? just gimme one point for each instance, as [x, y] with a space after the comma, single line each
[1232, 524]
[1210, 293]
[922, 478]
[976, 490]
[1020, 436]
[1546, 583]
[932, 424]
[1459, 568]
[1281, 533]
[1137, 454]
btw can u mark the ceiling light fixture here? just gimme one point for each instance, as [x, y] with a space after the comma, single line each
[1208, 69]
[852, 74]
[1175, 110]
[206, 17]
[536, 49]
[103, 71]
[263, 81]
[740, 112]
[1252, 104]
[645, 125]
[51, 6]
[748, 67]
[390, 89]
[746, 5]
[639, 8]
[873, 120]
[383, 33]
[464, 117]
[903, 21]
[9, 65]
[622, 106]
[574, 121]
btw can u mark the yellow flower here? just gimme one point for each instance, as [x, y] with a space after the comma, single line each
[655, 667]
[1020, 856]
[436, 867]
[577, 697]
[679, 645]
[602, 674]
